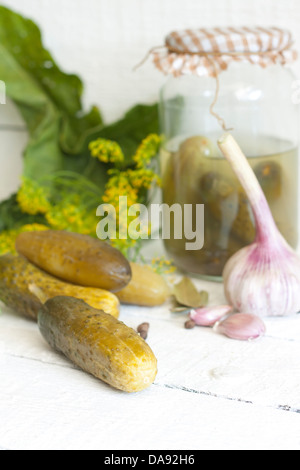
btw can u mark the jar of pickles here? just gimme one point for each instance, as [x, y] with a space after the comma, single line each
[233, 79]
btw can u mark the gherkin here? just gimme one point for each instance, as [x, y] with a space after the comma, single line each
[98, 343]
[20, 280]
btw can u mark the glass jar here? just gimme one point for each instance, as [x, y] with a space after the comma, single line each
[257, 103]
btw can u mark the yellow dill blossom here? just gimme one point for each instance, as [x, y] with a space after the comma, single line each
[162, 265]
[112, 196]
[147, 150]
[143, 178]
[8, 237]
[71, 217]
[32, 198]
[124, 246]
[33, 228]
[134, 183]
[106, 151]
[119, 185]
[7, 241]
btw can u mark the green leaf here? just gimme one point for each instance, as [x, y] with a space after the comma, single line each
[129, 131]
[136, 125]
[48, 99]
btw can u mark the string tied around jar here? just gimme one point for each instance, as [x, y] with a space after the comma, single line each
[209, 51]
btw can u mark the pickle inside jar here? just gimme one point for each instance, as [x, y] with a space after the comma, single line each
[195, 173]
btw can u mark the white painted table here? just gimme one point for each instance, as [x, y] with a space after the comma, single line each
[210, 393]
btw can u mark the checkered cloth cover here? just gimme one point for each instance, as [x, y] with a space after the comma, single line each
[208, 51]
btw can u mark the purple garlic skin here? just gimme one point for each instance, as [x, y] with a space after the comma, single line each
[242, 326]
[208, 316]
[264, 279]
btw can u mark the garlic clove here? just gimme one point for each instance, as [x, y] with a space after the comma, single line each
[242, 326]
[208, 316]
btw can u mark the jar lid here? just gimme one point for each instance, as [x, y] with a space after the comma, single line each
[208, 51]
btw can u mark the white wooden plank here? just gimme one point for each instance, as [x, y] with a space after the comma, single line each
[264, 372]
[45, 407]
[258, 379]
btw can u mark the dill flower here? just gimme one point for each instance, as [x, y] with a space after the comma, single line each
[147, 150]
[119, 185]
[143, 178]
[32, 198]
[124, 246]
[71, 217]
[106, 151]
[7, 241]
[33, 228]
[162, 265]
[8, 237]
[134, 183]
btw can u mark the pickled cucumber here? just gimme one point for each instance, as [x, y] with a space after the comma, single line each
[194, 172]
[79, 259]
[146, 288]
[98, 343]
[189, 163]
[270, 178]
[18, 277]
[229, 206]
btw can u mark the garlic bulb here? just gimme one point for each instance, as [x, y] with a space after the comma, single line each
[264, 277]
[242, 326]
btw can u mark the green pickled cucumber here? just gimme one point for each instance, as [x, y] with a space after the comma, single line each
[19, 280]
[98, 343]
[228, 205]
[231, 205]
[191, 161]
[270, 177]
[14, 291]
[195, 175]
[76, 258]
[168, 183]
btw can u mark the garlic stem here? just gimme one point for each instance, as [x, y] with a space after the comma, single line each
[265, 224]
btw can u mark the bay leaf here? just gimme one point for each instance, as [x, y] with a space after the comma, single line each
[187, 294]
[180, 310]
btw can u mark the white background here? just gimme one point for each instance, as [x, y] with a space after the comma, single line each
[102, 40]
